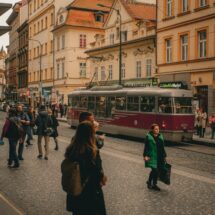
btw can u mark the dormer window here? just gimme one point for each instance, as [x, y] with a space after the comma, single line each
[61, 19]
[99, 17]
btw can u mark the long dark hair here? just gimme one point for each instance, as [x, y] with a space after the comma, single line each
[83, 140]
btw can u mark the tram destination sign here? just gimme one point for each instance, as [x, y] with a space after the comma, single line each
[177, 85]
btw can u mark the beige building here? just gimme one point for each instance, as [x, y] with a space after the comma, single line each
[138, 46]
[186, 46]
[40, 55]
[76, 27]
[13, 21]
[2, 73]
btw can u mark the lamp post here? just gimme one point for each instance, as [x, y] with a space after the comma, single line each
[40, 71]
[120, 40]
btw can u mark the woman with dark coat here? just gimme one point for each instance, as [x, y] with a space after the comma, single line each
[10, 131]
[154, 155]
[84, 151]
[55, 124]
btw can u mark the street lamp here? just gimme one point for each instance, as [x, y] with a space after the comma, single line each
[40, 82]
[120, 40]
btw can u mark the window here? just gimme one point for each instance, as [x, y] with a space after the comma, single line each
[184, 47]
[147, 104]
[138, 69]
[110, 72]
[46, 74]
[63, 70]
[83, 102]
[124, 36]
[111, 106]
[46, 22]
[91, 104]
[38, 51]
[133, 103]
[58, 43]
[30, 8]
[183, 105]
[103, 75]
[52, 19]
[82, 70]
[202, 43]
[169, 8]
[45, 48]
[63, 41]
[100, 106]
[120, 103]
[38, 26]
[123, 70]
[99, 18]
[96, 74]
[51, 46]
[168, 51]
[202, 3]
[58, 70]
[75, 101]
[184, 6]
[30, 32]
[148, 67]
[42, 24]
[35, 29]
[83, 42]
[111, 39]
[117, 33]
[165, 105]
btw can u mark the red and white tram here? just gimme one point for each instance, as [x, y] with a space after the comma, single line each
[131, 111]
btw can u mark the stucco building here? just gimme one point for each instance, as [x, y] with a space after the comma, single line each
[138, 39]
[186, 46]
[22, 75]
[2, 73]
[12, 60]
[40, 54]
[76, 27]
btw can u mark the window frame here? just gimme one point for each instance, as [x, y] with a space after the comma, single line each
[138, 69]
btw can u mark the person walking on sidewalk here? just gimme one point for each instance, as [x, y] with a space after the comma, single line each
[203, 122]
[31, 115]
[55, 124]
[212, 124]
[12, 130]
[25, 121]
[154, 155]
[84, 151]
[44, 126]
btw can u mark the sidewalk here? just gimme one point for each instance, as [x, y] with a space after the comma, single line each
[207, 141]
[7, 207]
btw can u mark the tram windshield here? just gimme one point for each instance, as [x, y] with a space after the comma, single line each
[183, 105]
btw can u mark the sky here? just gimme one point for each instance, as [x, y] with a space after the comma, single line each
[4, 39]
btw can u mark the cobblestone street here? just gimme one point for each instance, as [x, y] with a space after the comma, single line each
[35, 188]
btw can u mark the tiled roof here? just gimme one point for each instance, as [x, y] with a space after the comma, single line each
[141, 10]
[92, 4]
[83, 19]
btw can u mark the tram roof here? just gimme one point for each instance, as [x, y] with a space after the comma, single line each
[133, 91]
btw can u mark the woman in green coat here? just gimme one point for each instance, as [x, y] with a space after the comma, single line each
[154, 155]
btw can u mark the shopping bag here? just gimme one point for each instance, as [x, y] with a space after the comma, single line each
[165, 174]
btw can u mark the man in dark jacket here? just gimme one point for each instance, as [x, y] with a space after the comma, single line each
[43, 123]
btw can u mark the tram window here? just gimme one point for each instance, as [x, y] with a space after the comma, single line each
[75, 101]
[147, 103]
[133, 103]
[183, 105]
[83, 102]
[91, 104]
[120, 103]
[100, 106]
[165, 105]
[69, 101]
[111, 106]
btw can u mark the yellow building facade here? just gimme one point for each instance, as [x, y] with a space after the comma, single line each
[186, 47]
[40, 55]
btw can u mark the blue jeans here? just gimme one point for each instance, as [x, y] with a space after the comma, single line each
[12, 151]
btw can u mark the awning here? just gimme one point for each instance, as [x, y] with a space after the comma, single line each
[4, 29]
[4, 7]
